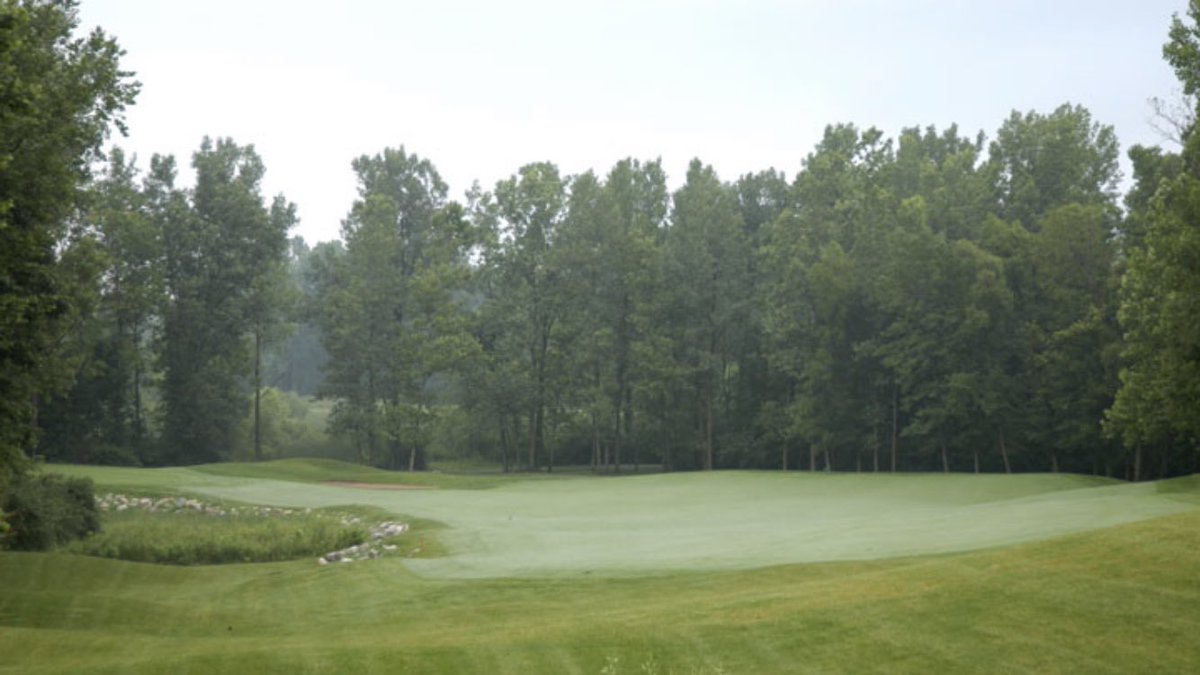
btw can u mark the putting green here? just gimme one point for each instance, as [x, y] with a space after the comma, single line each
[724, 520]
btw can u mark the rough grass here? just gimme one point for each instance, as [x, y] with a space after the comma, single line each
[197, 539]
[1076, 596]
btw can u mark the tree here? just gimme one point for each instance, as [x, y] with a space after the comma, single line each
[607, 251]
[102, 417]
[708, 276]
[1160, 291]
[818, 260]
[220, 245]
[59, 97]
[1042, 161]
[270, 305]
[526, 214]
[388, 306]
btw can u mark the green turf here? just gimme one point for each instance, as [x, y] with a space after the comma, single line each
[717, 521]
[686, 574]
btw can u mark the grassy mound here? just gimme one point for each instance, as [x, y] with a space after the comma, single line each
[1116, 600]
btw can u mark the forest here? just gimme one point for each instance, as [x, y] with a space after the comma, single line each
[937, 300]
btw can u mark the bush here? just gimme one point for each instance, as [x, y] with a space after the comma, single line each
[4, 529]
[46, 510]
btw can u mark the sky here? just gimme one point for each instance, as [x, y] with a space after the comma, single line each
[482, 88]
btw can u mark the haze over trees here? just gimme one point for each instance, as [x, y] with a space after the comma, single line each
[936, 300]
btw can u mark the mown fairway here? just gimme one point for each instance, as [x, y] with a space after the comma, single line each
[671, 573]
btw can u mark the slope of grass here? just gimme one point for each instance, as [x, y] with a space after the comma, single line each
[307, 470]
[1117, 600]
[732, 520]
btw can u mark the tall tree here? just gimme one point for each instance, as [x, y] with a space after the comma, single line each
[270, 306]
[218, 248]
[102, 417]
[383, 300]
[708, 276]
[1042, 161]
[1160, 291]
[527, 212]
[59, 97]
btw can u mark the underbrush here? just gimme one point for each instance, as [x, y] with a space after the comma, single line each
[39, 511]
[196, 538]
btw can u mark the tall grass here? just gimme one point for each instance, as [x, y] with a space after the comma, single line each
[186, 538]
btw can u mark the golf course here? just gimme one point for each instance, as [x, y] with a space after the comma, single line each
[723, 572]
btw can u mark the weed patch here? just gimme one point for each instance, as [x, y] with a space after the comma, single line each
[184, 531]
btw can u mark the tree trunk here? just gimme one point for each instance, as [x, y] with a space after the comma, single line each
[595, 445]
[533, 434]
[895, 422]
[783, 457]
[617, 442]
[1137, 462]
[138, 426]
[1053, 461]
[629, 428]
[371, 397]
[812, 458]
[550, 448]
[257, 396]
[976, 460]
[875, 452]
[666, 457]
[945, 460]
[708, 429]
[504, 443]
[828, 460]
[1004, 452]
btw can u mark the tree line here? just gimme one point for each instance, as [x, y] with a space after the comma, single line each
[929, 301]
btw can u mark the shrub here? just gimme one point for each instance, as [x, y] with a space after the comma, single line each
[4, 529]
[45, 510]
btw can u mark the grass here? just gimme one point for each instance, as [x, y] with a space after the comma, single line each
[173, 480]
[196, 539]
[1085, 576]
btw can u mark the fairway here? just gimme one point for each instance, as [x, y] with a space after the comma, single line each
[734, 572]
[656, 524]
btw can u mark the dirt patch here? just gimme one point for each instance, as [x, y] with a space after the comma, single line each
[377, 486]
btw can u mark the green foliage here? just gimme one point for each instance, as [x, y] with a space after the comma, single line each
[927, 301]
[283, 428]
[1042, 161]
[1160, 290]
[185, 538]
[46, 510]
[390, 306]
[59, 95]
[223, 246]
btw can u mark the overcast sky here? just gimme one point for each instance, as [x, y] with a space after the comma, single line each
[481, 88]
